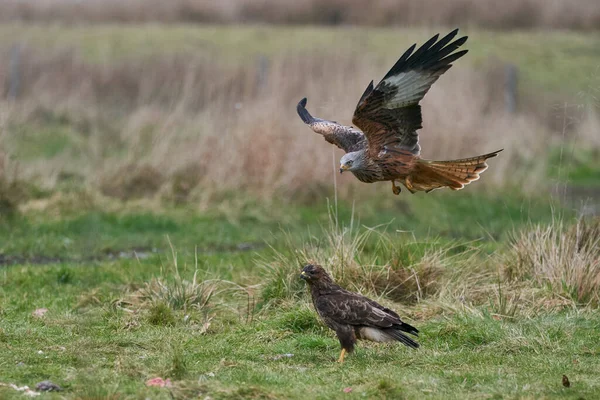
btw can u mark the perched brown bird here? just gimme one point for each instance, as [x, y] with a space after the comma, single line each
[386, 148]
[565, 381]
[353, 316]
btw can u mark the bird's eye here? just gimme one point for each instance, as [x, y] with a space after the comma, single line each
[350, 162]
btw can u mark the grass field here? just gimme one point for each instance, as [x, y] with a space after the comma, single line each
[163, 226]
[122, 311]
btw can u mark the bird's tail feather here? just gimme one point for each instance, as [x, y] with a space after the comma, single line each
[454, 174]
[401, 337]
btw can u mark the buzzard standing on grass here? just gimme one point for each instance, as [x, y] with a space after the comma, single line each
[353, 316]
[389, 115]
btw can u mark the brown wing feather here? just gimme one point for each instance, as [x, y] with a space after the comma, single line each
[344, 137]
[389, 114]
[347, 308]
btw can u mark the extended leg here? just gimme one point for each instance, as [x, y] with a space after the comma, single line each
[395, 189]
[342, 354]
[409, 185]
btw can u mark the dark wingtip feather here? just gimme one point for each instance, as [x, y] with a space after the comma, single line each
[452, 57]
[303, 112]
[367, 92]
[434, 54]
[460, 41]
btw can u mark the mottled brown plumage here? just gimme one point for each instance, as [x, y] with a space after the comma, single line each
[353, 316]
[386, 148]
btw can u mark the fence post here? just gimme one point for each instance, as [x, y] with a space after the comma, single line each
[14, 72]
[263, 71]
[510, 88]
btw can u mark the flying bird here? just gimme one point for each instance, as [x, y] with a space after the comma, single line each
[386, 148]
[353, 316]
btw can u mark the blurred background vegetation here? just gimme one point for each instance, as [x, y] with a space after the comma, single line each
[180, 102]
[185, 112]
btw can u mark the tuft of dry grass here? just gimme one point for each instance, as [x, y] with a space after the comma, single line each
[170, 299]
[14, 192]
[545, 268]
[7, 202]
[131, 181]
[583, 14]
[178, 294]
[564, 260]
[390, 271]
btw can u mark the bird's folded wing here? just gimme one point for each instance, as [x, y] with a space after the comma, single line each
[353, 309]
[344, 137]
[389, 114]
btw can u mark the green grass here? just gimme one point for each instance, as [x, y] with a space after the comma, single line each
[553, 61]
[575, 165]
[96, 341]
[95, 352]
[89, 232]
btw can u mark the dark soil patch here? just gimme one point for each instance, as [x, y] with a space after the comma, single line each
[140, 253]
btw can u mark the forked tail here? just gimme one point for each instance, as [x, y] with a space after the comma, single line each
[455, 174]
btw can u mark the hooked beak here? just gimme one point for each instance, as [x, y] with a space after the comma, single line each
[303, 275]
[343, 168]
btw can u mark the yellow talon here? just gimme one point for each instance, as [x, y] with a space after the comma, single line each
[395, 189]
[409, 185]
[342, 354]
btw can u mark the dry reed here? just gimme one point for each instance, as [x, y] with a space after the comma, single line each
[564, 260]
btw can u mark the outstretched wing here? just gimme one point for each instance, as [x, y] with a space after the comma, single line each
[390, 114]
[344, 137]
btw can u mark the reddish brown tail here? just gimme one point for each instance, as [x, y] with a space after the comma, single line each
[455, 174]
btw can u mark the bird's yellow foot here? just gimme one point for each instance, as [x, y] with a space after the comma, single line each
[409, 185]
[396, 189]
[342, 354]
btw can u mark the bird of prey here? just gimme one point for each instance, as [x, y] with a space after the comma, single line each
[386, 148]
[353, 316]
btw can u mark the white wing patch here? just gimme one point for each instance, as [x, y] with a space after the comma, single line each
[411, 86]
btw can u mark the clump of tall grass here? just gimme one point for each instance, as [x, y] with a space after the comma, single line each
[8, 205]
[179, 293]
[170, 298]
[132, 181]
[14, 192]
[367, 260]
[546, 267]
[563, 259]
